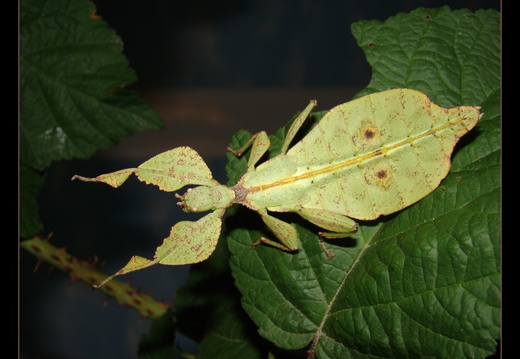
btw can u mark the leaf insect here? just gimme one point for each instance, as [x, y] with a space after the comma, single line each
[366, 158]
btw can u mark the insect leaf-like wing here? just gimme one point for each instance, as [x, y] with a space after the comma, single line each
[380, 153]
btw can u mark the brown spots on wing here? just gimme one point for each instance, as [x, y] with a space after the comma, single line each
[380, 177]
[367, 136]
[369, 133]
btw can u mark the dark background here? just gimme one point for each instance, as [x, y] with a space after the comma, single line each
[209, 68]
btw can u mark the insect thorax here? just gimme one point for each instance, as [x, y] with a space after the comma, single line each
[205, 198]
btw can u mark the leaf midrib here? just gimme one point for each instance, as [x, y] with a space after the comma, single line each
[319, 332]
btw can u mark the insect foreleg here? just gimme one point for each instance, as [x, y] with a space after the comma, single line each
[296, 125]
[340, 226]
[260, 141]
[260, 144]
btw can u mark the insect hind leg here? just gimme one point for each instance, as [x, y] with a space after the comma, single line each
[285, 232]
[337, 225]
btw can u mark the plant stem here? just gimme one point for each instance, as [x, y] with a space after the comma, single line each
[87, 272]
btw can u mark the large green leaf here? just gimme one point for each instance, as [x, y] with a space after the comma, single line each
[159, 342]
[453, 56]
[72, 102]
[425, 281]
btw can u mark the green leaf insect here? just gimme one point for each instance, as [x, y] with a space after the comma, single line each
[366, 158]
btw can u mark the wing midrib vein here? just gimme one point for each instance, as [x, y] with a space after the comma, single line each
[382, 151]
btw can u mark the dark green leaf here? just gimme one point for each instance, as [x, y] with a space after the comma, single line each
[72, 102]
[231, 335]
[158, 343]
[452, 56]
[71, 74]
[30, 183]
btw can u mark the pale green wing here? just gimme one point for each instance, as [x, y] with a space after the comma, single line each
[380, 153]
[169, 170]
